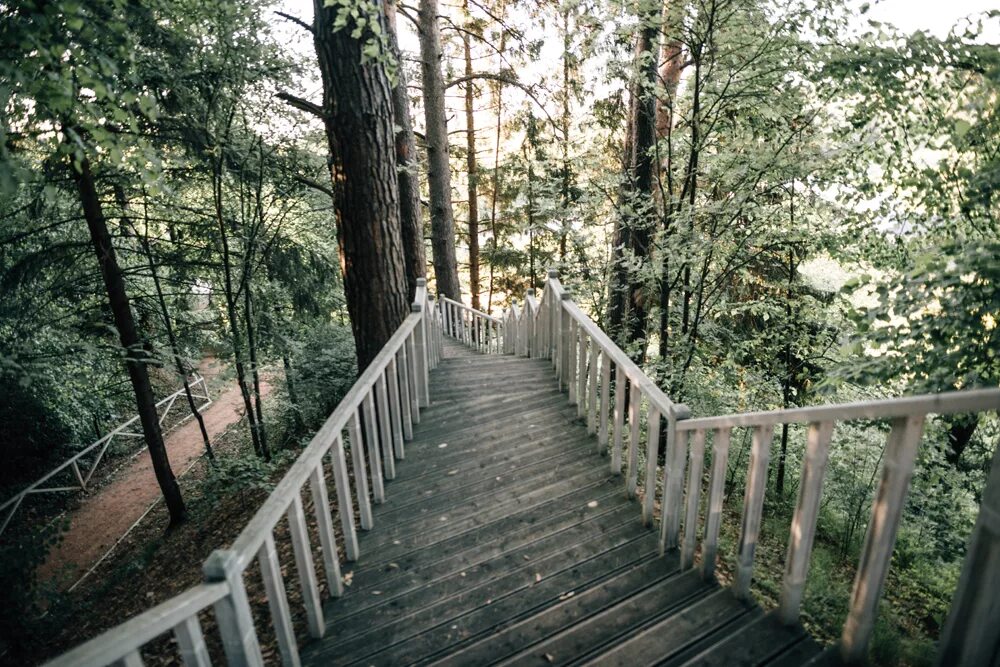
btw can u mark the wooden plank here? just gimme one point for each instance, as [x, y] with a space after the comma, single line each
[696, 459]
[672, 632]
[584, 622]
[652, 454]
[753, 506]
[465, 618]
[304, 566]
[385, 430]
[800, 541]
[277, 602]
[619, 421]
[716, 496]
[324, 526]
[752, 643]
[880, 538]
[360, 471]
[634, 419]
[191, 643]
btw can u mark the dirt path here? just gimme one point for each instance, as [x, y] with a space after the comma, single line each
[102, 519]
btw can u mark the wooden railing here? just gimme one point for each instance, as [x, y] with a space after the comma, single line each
[583, 357]
[58, 480]
[473, 327]
[376, 417]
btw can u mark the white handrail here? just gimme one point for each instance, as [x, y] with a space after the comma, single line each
[399, 372]
[81, 478]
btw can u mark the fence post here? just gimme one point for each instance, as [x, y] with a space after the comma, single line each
[972, 633]
[420, 343]
[232, 612]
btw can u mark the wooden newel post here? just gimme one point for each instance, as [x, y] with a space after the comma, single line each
[565, 340]
[673, 476]
[554, 329]
[232, 612]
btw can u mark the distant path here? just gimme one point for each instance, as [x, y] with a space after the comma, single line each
[105, 517]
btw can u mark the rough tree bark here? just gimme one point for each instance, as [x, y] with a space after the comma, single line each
[438, 168]
[128, 334]
[411, 220]
[357, 110]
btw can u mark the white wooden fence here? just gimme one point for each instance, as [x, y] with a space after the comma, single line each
[82, 468]
[387, 399]
[584, 358]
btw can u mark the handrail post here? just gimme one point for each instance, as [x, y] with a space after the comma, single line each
[565, 342]
[880, 538]
[232, 612]
[673, 477]
[972, 632]
[420, 343]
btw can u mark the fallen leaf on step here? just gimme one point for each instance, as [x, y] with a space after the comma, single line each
[349, 578]
[550, 657]
[592, 504]
[442, 445]
[566, 596]
[538, 577]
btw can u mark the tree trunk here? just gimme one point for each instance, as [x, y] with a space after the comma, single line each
[293, 394]
[231, 312]
[135, 356]
[473, 174]
[411, 220]
[438, 167]
[251, 324]
[357, 104]
[627, 306]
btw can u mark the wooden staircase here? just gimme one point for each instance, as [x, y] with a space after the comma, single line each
[505, 539]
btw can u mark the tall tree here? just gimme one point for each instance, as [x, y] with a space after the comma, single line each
[411, 219]
[472, 169]
[438, 167]
[358, 116]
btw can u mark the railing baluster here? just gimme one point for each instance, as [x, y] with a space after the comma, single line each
[716, 494]
[277, 601]
[305, 568]
[374, 457]
[696, 460]
[972, 631]
[619, 422]
[404, 390]
[673, 477]
[324, 526]
[385, 431]
[753, 505]
[592, 390]
[232, 612]
[634, 417]
[411, 374]
[652, 453]
[880, 538]
[133, 659]
[360, 472]
[581, 376]
[420, 345]
[191, 643]
[602, 424]
[571, 349]
[800, 541]
[394, 408]
[344, 505]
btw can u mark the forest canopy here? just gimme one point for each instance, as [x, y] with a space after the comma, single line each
[765, 203]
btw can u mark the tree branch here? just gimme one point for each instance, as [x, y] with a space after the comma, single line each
[302, 105]
[316, 185]
[295, 20]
